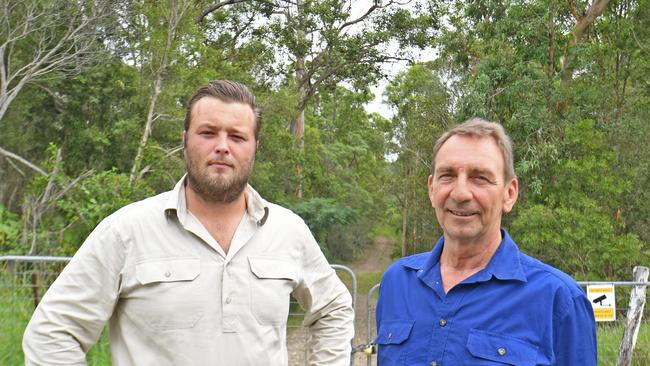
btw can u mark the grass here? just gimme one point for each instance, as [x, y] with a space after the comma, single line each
[609, 337]
[16, 307]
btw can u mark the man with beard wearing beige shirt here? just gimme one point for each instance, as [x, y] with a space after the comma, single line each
[201, 274]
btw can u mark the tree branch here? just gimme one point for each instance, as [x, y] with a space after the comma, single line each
[26, 162]
[216, 7]
[60, 39]
[574, 11]
[50, 182]
[13, 165]
[639, 44]
[68, 187]
[374, 7]
[594, 11]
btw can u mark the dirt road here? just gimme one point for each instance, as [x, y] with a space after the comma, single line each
[371, 264]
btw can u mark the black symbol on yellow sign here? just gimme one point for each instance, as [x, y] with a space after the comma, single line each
[599, 300]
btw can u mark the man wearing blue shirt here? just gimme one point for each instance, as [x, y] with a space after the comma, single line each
[475, 299]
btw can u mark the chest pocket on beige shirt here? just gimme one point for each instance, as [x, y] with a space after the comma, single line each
[272, 281]
[168, 298]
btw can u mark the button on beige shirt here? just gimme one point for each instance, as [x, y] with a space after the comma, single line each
[171, 295]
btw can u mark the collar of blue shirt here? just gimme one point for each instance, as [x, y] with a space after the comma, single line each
[504, 265]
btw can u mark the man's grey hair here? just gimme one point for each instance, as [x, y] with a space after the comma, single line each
[478, 127]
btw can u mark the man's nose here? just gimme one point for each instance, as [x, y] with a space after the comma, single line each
[221, 144]
[461, 191]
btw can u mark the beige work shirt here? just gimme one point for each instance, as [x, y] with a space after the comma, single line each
[173, 297]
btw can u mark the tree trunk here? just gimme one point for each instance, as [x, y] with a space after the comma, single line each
[39, 208]
[634, 315]
[175, 15]
[137, 161]
[298, 124]
[405, 213]
[579, 32]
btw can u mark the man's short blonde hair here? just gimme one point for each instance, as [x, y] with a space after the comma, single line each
[478, 127]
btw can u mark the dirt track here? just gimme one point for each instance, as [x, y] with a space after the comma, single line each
[374, 260]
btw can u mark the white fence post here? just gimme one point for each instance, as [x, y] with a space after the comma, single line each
[634, 315]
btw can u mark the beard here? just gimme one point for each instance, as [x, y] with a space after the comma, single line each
[217, 188]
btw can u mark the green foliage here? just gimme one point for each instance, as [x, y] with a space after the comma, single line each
[576, 226]
[343, 160]
[584, 181]
[95, 198]
[327, 220]
[580, 240]
[609, 339]
[274, 174]
[577, 114]
[9, 231]
[422, 103]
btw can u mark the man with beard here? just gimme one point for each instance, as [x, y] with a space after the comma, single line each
[202, 274]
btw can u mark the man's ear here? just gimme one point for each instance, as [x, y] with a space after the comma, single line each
[430, 186]
[511, 194]
[184, 137]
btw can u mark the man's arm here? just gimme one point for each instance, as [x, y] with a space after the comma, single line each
[70, 317]
[328, 305]
[574, 342]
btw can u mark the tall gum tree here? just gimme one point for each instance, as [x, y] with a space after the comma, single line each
[321, 43]
[421, 106]
[45, 39]
[153, 54]
[541, 68]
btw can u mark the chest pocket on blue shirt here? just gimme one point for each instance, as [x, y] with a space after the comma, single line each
[495, 349]
[391, 337]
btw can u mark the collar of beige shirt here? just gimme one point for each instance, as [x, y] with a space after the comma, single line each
[256, 206]
[257, 212]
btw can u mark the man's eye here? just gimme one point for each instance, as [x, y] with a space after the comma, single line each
[206, 133]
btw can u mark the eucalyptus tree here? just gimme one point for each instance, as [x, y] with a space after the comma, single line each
[543, 68]
[41, 40]
[322, 43]
[422, 111]
[153, 34]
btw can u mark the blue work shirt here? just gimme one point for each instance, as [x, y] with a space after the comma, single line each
[516, 311]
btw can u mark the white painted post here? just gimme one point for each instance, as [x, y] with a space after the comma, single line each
[634, 315]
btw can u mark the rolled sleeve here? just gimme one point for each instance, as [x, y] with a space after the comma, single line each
[70, 317]
[328, 305]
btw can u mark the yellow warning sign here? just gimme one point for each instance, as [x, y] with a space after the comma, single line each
[604, 313]
[603, 300]
[601, 289]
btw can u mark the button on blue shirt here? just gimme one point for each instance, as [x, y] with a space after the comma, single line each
[516, 311]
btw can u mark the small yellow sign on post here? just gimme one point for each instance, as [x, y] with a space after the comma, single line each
[603, 300]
